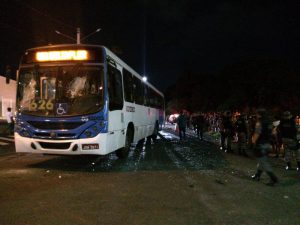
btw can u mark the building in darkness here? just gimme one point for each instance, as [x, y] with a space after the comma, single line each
[7, 95]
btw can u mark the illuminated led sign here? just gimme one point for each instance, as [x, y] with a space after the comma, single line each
[62, 55]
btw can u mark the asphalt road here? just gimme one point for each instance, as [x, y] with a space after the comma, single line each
[167, 182]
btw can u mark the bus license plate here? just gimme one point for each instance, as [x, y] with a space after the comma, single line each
[90, 146]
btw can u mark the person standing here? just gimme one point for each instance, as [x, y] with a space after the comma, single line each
[276, 138]
[226, 132]
[200, 121]
[10, 121]
[181, 122]
[261, 141]
[242, 131]
[289, 135]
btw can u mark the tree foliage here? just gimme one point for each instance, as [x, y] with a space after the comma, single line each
[258, 83]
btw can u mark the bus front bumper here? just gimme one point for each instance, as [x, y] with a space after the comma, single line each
[87, 146]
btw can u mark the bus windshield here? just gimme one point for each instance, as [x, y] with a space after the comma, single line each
[60, 90]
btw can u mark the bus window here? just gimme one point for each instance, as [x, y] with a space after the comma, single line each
[128, 86]
[42, 90]
[146, 95]
[47, 87]
[138, 91]
[152, 98]
[115, 90]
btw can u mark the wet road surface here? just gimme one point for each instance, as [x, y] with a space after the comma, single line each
[167, 182]
[167, 153]
[155, 177]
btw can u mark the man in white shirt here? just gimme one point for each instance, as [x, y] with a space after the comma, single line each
[9, 119]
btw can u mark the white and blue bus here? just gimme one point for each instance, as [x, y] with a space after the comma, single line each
[82, 99]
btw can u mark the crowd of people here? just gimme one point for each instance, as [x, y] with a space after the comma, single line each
[261, 132]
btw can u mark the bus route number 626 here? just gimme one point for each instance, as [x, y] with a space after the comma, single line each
[42, 104]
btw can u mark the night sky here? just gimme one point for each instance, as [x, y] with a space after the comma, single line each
[161, 39]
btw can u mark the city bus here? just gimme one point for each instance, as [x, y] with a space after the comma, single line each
[82, 100]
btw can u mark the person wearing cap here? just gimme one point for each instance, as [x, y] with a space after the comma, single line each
[261, 141]
[290, 136]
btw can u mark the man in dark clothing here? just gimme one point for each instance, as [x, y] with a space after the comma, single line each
[181, 122]
[200, 121]
[261, 141]
[226, 132]
[242, 131]
[288, 130]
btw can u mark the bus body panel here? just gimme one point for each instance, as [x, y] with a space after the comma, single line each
[24, 144]
[116, 126]
[141, 115]
[116, 130]
[129, 112]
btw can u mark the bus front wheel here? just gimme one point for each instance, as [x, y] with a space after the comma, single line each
[123, 152]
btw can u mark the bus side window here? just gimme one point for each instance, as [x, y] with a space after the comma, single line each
[138, 91]
[146, 95]
[128, 86]
[115, 90]
[152, 98]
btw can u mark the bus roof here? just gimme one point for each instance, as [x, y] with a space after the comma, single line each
[107, 51]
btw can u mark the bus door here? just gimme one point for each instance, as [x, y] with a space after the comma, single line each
[47, 87]
[116, 127]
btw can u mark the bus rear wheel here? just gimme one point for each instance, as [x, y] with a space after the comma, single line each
[123, 152]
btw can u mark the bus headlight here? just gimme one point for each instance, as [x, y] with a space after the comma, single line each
[22, 131]
[88, 133]
[93, 130]
[101, 124]
[25, 133]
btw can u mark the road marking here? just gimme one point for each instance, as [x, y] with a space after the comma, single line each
[7, 139]
[3, 143]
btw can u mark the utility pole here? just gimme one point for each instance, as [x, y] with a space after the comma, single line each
[78, 36]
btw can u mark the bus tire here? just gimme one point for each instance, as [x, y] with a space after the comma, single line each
[123, 152]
